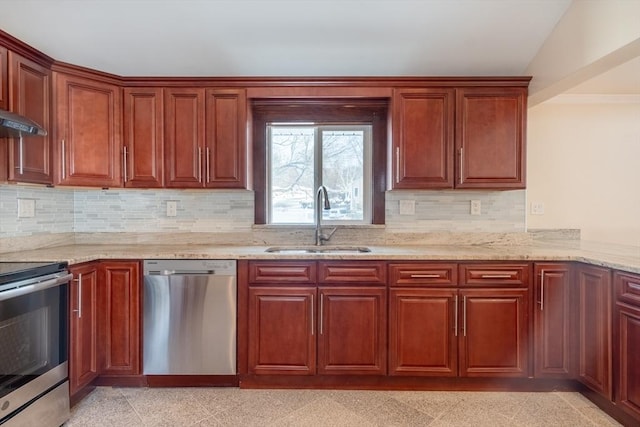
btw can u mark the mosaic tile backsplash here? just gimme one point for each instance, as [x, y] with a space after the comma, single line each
[73, 210]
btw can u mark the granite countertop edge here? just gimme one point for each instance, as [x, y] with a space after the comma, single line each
[624, 258]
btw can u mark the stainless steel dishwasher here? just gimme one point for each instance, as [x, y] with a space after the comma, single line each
[189, 317]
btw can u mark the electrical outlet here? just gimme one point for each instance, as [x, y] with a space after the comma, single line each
[407, 207]
[476, 207]
[26, 208]
[172, 208]
[537, 208]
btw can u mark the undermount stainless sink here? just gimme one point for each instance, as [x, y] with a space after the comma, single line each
[317, 249]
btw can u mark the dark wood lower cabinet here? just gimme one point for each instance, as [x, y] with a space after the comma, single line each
[552, 320]
[494, 332]
[422, 332]
[628, 342]
[84, 360]
[281, 330]
[120, 307]
[352, 336]
[594, 328]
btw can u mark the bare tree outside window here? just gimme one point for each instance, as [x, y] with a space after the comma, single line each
[303, 157]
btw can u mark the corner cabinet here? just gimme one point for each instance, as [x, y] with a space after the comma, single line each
[459, 137]
[627, 342]
[30, 157]
[84, 342]
[88, 131]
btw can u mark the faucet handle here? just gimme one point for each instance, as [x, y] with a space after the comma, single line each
[325, 237]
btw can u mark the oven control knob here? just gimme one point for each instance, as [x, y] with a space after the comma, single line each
[5, 405]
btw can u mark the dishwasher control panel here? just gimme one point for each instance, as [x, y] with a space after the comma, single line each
[166, 267]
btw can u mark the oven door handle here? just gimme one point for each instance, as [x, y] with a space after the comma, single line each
[28, 289]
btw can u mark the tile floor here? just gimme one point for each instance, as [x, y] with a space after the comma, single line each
[107, 406]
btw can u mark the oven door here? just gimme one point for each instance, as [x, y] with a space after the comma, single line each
[33, 337]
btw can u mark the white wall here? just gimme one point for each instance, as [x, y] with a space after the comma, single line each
[584, 165]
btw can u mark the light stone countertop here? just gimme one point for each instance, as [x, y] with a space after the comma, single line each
[625, 258]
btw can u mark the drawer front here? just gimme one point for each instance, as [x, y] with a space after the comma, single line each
[423, 274]
[497, 274]
[370, 272]
[274, 272]
[627, 286]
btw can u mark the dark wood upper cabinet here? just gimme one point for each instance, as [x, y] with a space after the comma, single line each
[4, 78]
[423, 125]
[30, 157]
[88, 131]
[490, 137]
[184, 137]
[226, 138]
[143, 150]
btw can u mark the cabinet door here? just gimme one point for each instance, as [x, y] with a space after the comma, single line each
[594, 328]
[226, 138]
[352, 330]
[490, 137]
[143, 138]
[88, 133]
[84, 362]
[628, 350]
[121, 305]
[423, 332]
[281, 330]
[552, 314]
[184, 137]
[4, 79]
[495, 333]
[30, 156]
[423, 124]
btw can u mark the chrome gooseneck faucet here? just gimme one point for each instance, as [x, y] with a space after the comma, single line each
[320, 194]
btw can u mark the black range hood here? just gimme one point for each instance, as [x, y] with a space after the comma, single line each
[13, 125]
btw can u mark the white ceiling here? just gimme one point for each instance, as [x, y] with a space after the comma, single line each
[287, 37]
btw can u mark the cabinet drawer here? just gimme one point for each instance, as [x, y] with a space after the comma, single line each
[494, 274]
[371, 272]
[423, 274]
[271, 272]
[627, 287]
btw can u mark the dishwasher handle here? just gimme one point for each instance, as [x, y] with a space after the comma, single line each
[180, 272]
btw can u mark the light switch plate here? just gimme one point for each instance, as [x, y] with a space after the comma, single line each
[537, 208]
[172, 208]
[26, 208]
[407, 207]
[476, 207]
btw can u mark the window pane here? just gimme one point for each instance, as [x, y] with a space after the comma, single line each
[342, 173]
[291, 174]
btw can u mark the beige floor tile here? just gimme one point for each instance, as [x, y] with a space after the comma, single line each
[432, 403]
[165, 406]
[103, 407]
[324, 412]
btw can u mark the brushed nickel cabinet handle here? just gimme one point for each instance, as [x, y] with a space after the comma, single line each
[200, 164]
[496, 276]
[312, 313]
[455, 315]
[425, 276]
[124, 163]
[397, 164]
[207, 164]
[542, 290]
[461, 163]
[21, 156]
[464, 315]
[321, 321]
[63, 155]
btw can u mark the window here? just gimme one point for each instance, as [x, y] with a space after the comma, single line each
[299, 144]
[303, 157]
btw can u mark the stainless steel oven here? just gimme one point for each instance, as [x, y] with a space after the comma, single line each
[34, 386]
